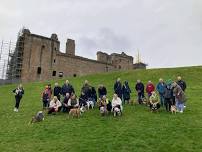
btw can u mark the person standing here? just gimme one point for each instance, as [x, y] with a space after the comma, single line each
[18, 92]
[86, 89]
[181, 83]
[102, 91]
[150, 88]
[45, 98]
[140, 91]
[161, 90]
[67, 88]
[179, 97]
[126, 92]
[57, 91]
[168, 95]
[118, 88]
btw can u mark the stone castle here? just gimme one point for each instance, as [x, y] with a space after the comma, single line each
[39, 58]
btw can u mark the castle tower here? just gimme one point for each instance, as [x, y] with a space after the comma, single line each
[70, 47]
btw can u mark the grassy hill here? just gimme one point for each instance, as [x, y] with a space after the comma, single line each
[137, 130]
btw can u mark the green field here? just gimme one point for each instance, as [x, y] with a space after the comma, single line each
[137, 130]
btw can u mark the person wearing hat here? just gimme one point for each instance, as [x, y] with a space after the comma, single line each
[45, 98]
[154, 102]
[168, 95]
[161, 89]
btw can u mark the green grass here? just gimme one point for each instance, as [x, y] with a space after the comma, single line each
[137, 130]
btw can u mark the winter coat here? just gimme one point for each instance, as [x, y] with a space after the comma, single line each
[161, 88]
[57, 91]
[45, 95]
[102, 91]
[182, 84]
[126, 92]
[118, 89]
[117, 102]
[139, 87]
[150, 88]
[179, 94]
[54, 104]
[87, 89]
[168, 94]
[18, 92]
[67, 88]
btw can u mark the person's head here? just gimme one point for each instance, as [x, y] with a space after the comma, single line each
[126, 82]
[67, 94]
[118, 80]
[138, 81]
[115, 96]
[46, 87]
[153, 93]
[55, 99]
[104, 97]
[101, 86]
[86, 82]
[149, 82]
[49, 86]
[161, 80]
[73, 96]
[179, 78]
[67, 81]
[20, 86]
[56, 84]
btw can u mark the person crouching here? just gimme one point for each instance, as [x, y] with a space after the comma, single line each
[154, 102]
[55, 105]
[73, 102]
[117, 103]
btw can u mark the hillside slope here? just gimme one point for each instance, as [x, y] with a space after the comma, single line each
[137, 130]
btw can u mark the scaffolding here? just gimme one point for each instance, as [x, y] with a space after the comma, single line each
[11, 57]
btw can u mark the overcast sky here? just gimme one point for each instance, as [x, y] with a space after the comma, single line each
[168, 33]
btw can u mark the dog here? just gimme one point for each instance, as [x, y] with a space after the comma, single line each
[154, 108]
[173, 109]
[38, 117]
[90, 104]
[82, 109]
[75, 112]
[103, 111]
[117, 112]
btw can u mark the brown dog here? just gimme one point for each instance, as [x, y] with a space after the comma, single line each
[173, 109]
[75, 112]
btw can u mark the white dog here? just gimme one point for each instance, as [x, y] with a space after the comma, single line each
[90, 104]
[117, 112]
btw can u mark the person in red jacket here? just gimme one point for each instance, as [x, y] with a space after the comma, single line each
[150, 88]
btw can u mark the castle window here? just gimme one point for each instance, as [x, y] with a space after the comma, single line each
[39, 70]
[60, 74]
[54, 60]
[119, 67]
[119, 60]
[74, 75]
[54, 73]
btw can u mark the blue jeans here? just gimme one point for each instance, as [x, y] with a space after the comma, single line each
[180, 105]
[162, 100]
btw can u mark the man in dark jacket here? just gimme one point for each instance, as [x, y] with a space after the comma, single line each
[67, 88]
[18, 92]
[86, 89]
[168, 95]
[181, 83]
[140, 91]
[57, 91]
[102, 91]
[118, 88]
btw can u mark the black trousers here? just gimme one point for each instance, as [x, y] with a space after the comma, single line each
[140, 97]
[17, 101]
[168, 103]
